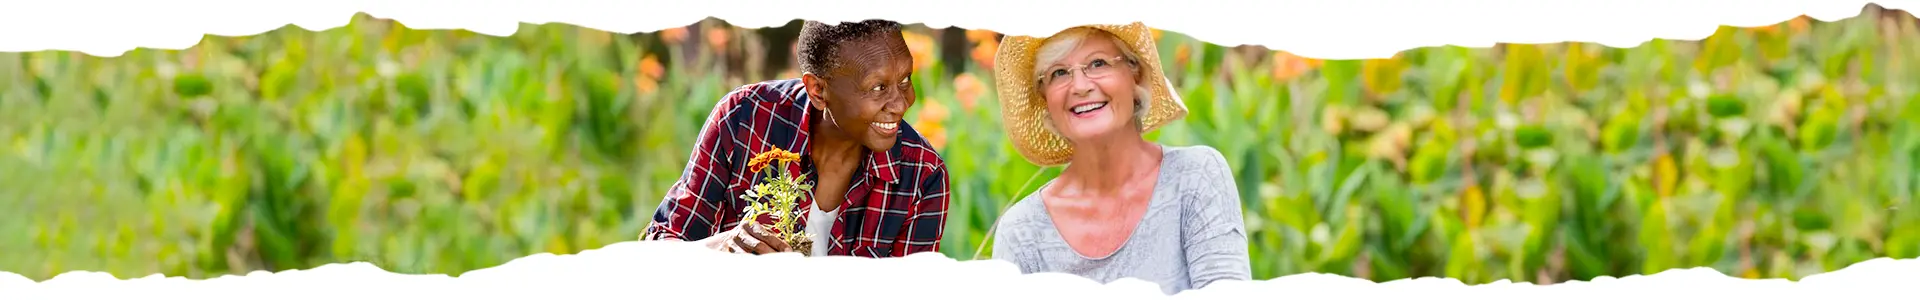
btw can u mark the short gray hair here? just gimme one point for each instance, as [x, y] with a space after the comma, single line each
[1056, 48]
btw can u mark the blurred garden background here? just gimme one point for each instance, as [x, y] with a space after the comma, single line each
[1769, 152]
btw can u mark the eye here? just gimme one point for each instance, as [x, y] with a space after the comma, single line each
[877, 87]
[1057, 73]
[1098, 63]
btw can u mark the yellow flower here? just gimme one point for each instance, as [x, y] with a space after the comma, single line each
[1475, 205]
[1666, 176]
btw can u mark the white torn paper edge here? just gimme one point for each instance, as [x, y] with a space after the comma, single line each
[1350, 29]
[676, 270]
[1354, 29]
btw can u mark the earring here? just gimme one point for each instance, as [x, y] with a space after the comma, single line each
[830, 119]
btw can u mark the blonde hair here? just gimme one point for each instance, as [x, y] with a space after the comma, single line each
[1057, 47]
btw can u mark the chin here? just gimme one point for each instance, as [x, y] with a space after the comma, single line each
[1090, 131]
[878, 143]
[880, 146]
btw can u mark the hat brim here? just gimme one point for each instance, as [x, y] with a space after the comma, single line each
[1024, 111]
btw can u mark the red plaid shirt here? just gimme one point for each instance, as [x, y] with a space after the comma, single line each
[896, 206]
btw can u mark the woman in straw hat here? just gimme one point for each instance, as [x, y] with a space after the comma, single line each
[1124, 207]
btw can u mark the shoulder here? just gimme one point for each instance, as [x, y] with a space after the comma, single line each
[1198, 160]
[1023, 217]
[1200, 173]
[1028, 208]
[741, 106]
[779, 93]
[777, 90]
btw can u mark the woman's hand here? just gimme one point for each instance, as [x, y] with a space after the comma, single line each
[749, 237]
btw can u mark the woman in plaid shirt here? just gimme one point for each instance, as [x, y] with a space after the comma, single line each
[879, 189]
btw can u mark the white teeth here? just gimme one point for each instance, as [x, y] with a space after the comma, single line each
[887, 126]
[1083, 108]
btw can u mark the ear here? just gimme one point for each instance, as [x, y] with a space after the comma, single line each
[816, 90]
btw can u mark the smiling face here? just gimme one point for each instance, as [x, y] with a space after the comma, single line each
[1091, 89]
[868, 92]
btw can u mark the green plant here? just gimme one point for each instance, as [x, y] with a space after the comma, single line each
[778, 197]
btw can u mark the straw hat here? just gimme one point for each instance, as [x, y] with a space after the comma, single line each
[1024, 111]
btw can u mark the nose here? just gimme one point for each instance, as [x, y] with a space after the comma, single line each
[1081, 85]
[900, 100]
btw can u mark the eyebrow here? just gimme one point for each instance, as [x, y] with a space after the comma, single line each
[1102, 54]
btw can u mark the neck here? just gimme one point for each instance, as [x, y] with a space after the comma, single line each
[832, 146]
[1113, 164]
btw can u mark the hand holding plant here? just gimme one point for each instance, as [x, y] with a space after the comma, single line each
[779, 196]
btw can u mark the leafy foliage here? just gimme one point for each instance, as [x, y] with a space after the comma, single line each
[1776, 151]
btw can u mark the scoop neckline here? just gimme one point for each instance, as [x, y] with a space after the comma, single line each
[1153, 199]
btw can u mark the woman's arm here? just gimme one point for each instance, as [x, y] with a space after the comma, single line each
[688, 210]
[1215, 231]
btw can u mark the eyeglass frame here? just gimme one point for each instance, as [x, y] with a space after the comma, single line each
[1078, 70]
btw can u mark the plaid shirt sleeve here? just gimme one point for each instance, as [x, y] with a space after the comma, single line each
[927, 221]
[698, 205]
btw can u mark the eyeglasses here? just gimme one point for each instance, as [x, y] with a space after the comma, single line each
[1096, 69]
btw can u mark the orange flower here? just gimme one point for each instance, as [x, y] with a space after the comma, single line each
[922, 48]
[1286, 66]
[983, 53]
[645, 85]
[1799, 25]
[932, 122]
[651, 67]
[967, 89]
[673, 36]
[982, 36]
[650, 73]
[717, 37]
[761, 161]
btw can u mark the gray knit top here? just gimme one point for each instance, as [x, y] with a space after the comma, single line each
[1192, 234]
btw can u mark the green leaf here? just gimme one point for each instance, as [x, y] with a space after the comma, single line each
[191, 85]
[1532, 136]
[1429, 162]
[1342, 78]
[1655, 240]
[1726, 106]
[1719, 50]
